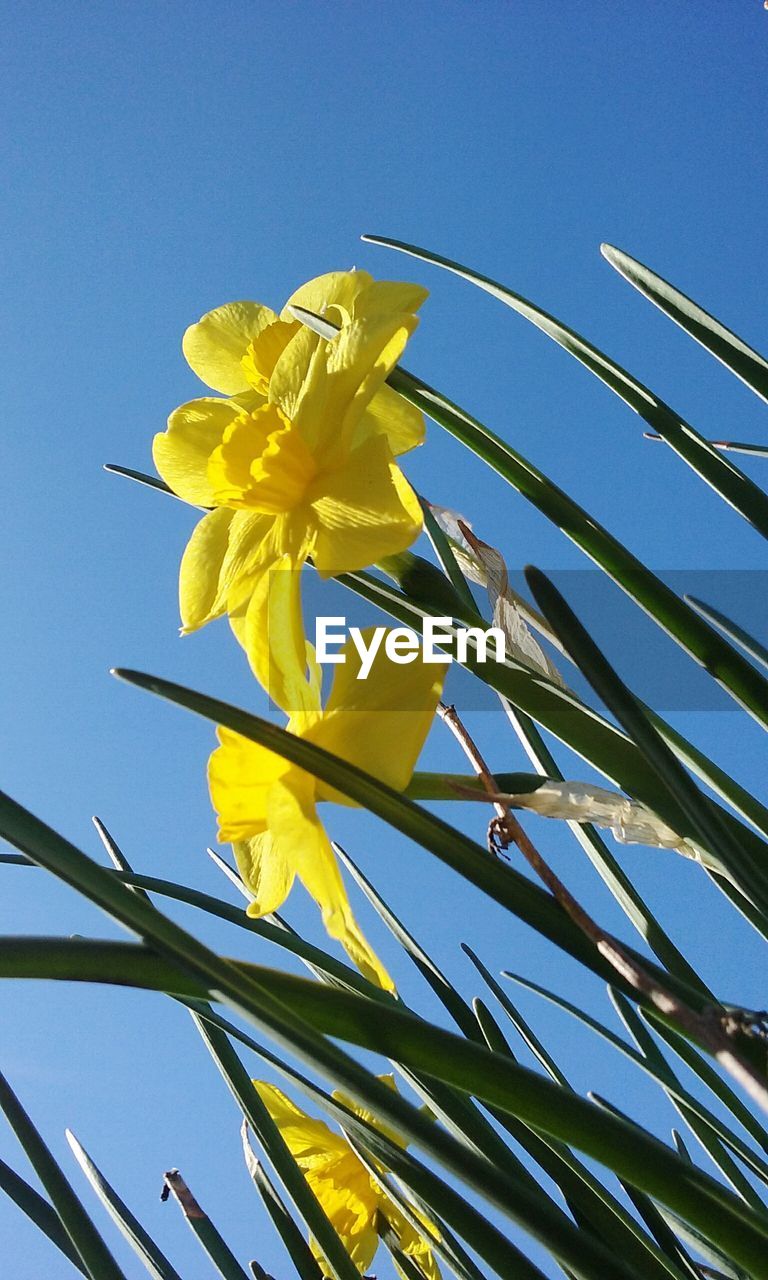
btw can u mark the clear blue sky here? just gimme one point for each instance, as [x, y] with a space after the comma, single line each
[159, 160]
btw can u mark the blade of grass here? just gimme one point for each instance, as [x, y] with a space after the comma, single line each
[97, 1261]
[590, 1202]
[154, 1260]
[702, 1131]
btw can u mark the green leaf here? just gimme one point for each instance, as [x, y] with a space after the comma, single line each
[97, 1261]
[39, 1211]
[724, 477]
[590, 1202]
[703, 1131]
[703, 817]
[730, 350]
[732, 630]
[508, 887]
[423, 1047]
[205, 1231]
[153, 1258]
[584, 730]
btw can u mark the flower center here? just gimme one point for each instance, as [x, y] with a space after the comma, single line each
[262, 464]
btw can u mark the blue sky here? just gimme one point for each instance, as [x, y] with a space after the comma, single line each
[161, 160]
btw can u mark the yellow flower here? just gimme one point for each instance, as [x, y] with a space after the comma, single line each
[352, 1199]
[298, 460]
[267, 806]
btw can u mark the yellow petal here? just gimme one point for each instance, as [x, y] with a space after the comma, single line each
[365, 510]
[275, 642]
[296, 828]
[379, 723]
[390, 415]
[303, 1135]
[336, 289]
[264, 872]
[201, 569]
[264, 351]
[215, 346]
[241, 775]
[325, 387]
[181, 453]
[388, 297]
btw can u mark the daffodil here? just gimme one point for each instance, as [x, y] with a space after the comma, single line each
[352, 1199]
[298, 459]
[267, 807]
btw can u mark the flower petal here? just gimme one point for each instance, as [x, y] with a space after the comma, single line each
[241, 775]
[380, 723]
[387, 297]
[390, 415]
[268, 876]
[215, 346]
[303, 1135]
[337, 289]
[201, 569]
[365, 510]
[275, 643]
[296, 828]
[181, 453]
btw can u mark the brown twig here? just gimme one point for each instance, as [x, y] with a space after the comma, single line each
[706, 1027]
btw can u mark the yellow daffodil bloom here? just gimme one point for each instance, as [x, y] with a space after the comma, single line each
[351, 1198]
[267, 807]
[298, 459]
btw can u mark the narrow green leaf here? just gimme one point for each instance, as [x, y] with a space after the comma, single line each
[205, 1231]
[724, 477]
[620, 1145]
[584, 730]
[39, 1211]
[703, 816]
[730, 350]
[508, 887]
[704, 1132]
[446, 993]
[732, 630]
[590, 1202]
[541, 1054]
[154, 1260]
[97, 1261]
[442, 549]
[661, 1073]
[296, 1246]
